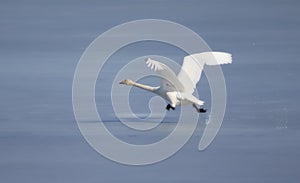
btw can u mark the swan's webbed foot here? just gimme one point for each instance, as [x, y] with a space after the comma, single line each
[169, 106]
[200, 110]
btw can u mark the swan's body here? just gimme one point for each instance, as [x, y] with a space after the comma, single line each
[178, 90]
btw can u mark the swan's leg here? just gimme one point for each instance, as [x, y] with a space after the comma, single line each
[200, 110]
[194, 105]
[169, 106]
[171, 96]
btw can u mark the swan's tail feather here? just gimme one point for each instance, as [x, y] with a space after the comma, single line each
[192, 99]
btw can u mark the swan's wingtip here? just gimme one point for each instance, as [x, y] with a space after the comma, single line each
[147, 59]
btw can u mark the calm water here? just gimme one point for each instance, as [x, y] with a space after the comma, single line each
[41, 43]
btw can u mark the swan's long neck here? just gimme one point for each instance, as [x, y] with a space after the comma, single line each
[145, 87]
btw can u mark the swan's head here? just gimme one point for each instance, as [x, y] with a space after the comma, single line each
[127, 82]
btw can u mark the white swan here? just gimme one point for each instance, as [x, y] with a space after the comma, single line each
[178, 90]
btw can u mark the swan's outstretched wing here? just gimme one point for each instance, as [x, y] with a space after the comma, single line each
[192, 67]
[169, 81]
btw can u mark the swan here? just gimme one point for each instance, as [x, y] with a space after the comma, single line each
[178, 90]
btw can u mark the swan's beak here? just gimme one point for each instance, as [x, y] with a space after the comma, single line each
[121, 82]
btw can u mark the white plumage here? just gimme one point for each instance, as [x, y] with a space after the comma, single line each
[178, 90]
[192, 67]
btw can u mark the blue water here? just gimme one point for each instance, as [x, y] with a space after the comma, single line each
[41, 43]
